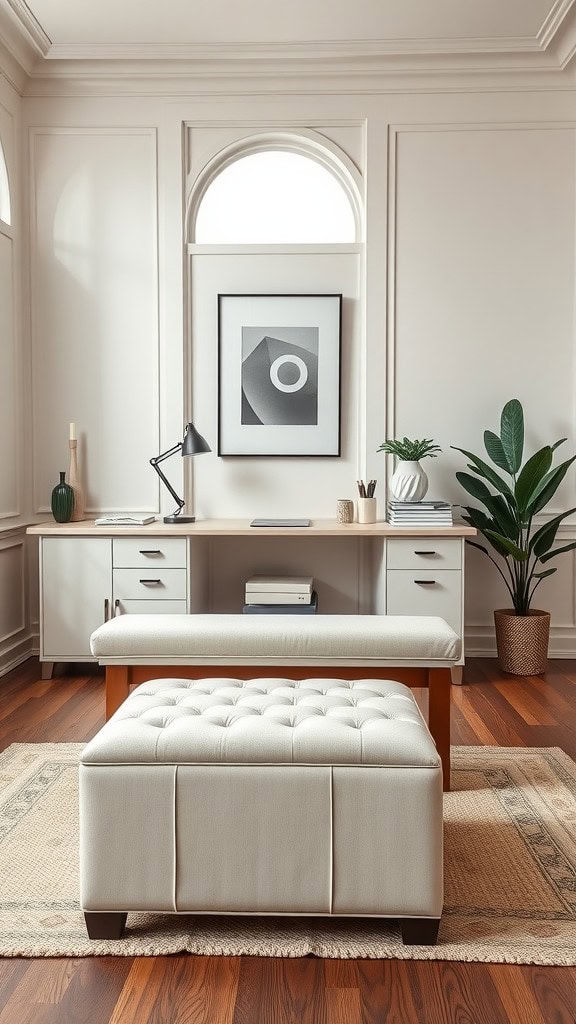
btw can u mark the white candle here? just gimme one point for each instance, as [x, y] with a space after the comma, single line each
[72, 431]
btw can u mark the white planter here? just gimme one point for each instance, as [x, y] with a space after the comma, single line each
[409, 482]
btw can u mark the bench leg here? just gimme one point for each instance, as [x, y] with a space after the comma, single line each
[117, 687]
[105, 926]
[419, 931]
[439, 683]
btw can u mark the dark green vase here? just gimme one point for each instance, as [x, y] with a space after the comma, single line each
[62, 501]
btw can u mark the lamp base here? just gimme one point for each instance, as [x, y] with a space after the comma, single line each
[175, 520]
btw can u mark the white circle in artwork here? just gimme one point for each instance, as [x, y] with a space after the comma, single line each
[298, 384]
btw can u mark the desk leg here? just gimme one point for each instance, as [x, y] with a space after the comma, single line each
[117, 687]
[439, 683]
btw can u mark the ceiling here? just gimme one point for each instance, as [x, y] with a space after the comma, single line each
[68, 38]
[113, 22]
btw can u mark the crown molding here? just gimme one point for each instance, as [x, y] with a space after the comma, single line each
[318, 50]
[11, 69]
[22, 42]
[81, 69]
[29, 27]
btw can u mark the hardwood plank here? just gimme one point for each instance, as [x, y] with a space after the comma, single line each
[11, 973]
[518, 695]
[275, 991]
[343, 1006]
[137, 996]
[386, 993]
[555, 991]
[516, 994]
[446, 993]
[180, 989]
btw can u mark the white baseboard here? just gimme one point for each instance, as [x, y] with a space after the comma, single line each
[16, 654]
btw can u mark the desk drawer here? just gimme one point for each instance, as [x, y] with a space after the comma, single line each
[150, 584]
[437, 592]
[424, 553]
[149, 553]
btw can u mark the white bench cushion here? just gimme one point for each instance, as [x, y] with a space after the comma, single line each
[260, 640]
[266, 721]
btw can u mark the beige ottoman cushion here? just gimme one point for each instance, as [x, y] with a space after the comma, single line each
[321, 796]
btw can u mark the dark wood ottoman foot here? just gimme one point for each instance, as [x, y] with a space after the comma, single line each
[105, 926]
[420, 931]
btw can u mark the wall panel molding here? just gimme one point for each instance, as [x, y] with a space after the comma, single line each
[94, 282]
[480, 638]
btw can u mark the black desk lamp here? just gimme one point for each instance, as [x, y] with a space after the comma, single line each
[193, 444]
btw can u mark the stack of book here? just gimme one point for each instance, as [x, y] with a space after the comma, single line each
[280, 595]
[419, 513]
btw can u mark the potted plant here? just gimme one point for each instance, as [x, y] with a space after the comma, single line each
[523, 550]
[409, 481]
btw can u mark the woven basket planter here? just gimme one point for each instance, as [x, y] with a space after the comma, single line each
[522, 641]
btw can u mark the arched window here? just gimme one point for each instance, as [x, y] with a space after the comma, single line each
[275, 196]
[5, 213]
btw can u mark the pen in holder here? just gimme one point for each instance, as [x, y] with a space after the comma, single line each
[366, 510]
[366, 501]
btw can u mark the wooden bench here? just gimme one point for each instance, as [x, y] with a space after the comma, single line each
[416, 650]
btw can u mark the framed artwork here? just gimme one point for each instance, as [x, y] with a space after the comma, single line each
[279, 375]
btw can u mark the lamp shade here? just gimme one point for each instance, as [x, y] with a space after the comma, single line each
[194, 443]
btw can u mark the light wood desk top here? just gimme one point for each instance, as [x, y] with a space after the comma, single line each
[242, 528]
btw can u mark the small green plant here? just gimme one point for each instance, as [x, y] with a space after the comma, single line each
[508, 527]
[411, 451]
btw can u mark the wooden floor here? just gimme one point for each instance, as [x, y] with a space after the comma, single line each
[489, 709]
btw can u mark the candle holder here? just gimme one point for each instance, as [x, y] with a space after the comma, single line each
[74, 482]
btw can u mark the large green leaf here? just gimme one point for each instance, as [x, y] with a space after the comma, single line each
[559, 551]
[486, 471]
[483, 524]
[495, 504]
[504, 516]
[511, 548]
[512, 433]
[543, 575]
[493, 446]
[543, 539]
[531, 476]
[474, 487]
[548, 487]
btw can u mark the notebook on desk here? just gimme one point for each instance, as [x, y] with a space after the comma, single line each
[280, 522]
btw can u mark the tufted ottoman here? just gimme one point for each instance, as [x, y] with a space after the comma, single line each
[263, 796]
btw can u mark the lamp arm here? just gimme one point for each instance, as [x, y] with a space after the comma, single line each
[160, 458]
[166, 455]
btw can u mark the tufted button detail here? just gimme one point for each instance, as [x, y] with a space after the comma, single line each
[267, 720]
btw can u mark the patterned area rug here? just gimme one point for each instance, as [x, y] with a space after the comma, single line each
[510, 859]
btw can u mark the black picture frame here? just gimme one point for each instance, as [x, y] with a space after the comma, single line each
[257, 334]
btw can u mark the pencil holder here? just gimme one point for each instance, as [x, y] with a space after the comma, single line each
[345, 510]
[366, 510]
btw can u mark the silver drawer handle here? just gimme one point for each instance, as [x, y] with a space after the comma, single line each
[425, 583]
[424, 552]
[153, 583]
[117, 608]
[151, 551]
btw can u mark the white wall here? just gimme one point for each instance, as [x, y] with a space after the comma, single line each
[469, 300]
[15, 630]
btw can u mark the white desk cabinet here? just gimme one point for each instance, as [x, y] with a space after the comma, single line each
[76, 594]
[84, 581]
